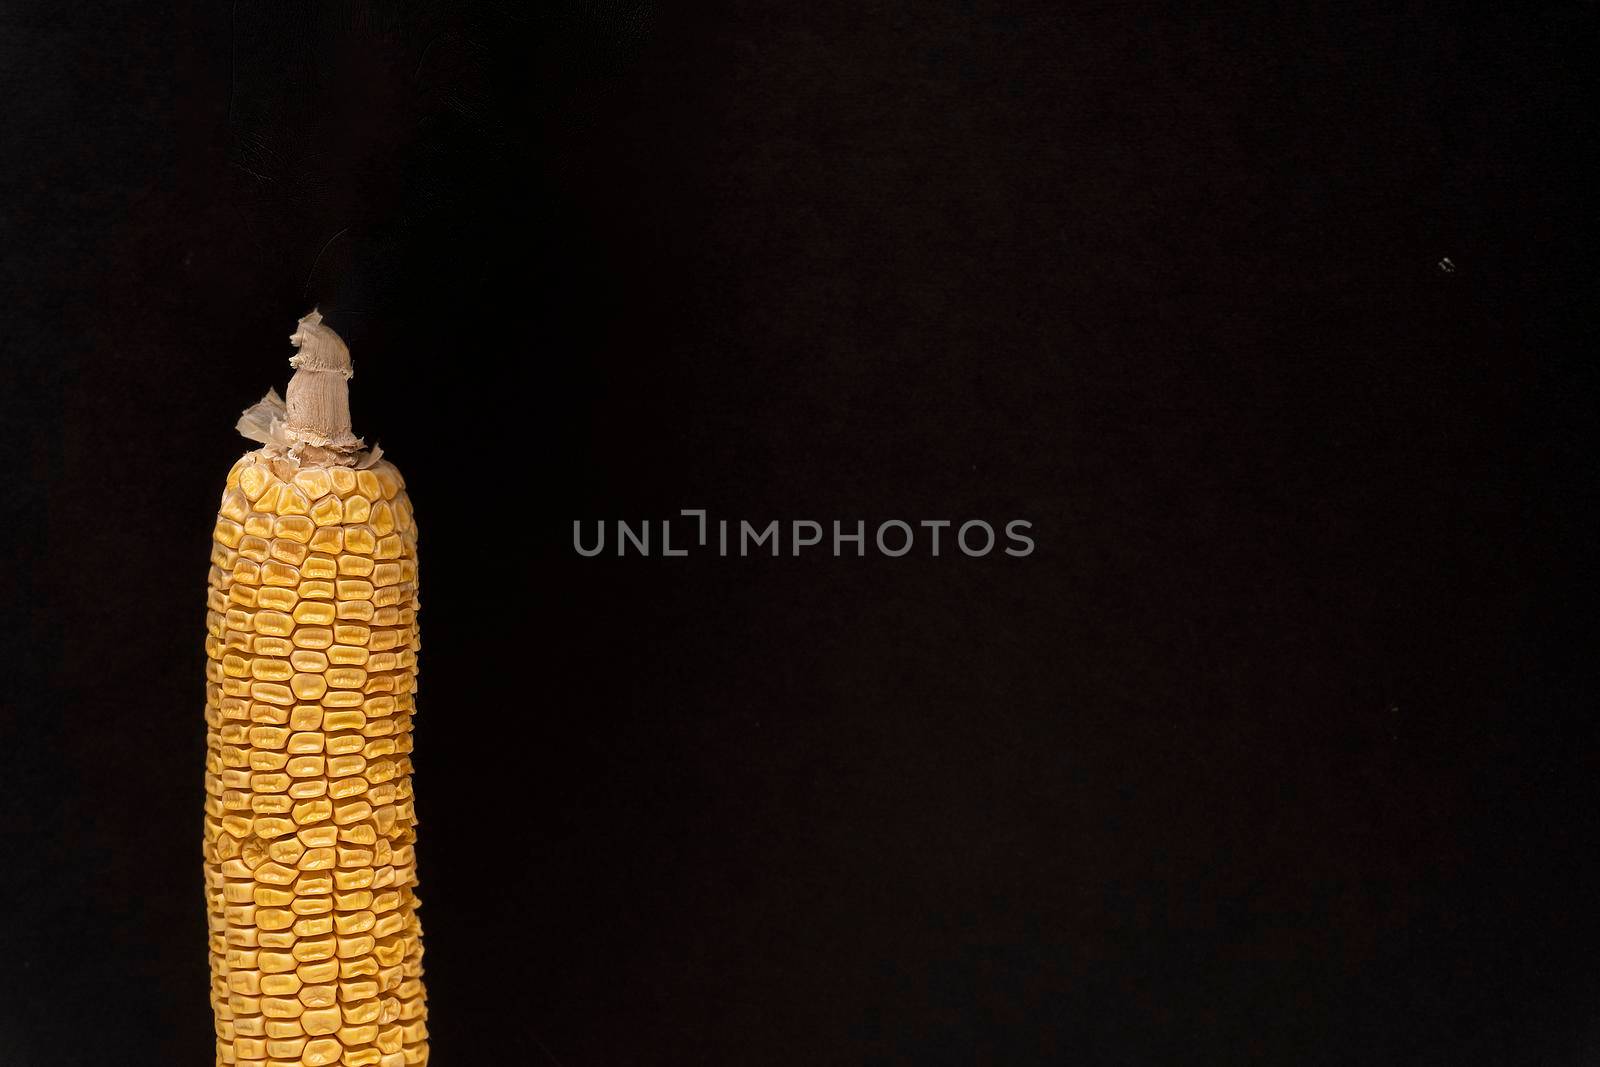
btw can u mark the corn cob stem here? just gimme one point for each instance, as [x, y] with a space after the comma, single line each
[319, 391]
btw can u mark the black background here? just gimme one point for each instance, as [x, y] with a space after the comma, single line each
[1280, 749]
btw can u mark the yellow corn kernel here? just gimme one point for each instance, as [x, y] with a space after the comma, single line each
[328, 539]
[288, 551]
[344, 480]
[277, 598]
[294, 527]
[291, 501]
[328, 511]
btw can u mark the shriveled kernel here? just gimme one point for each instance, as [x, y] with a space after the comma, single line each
[290, 552]
[314, 613]
[276, 598]
[281, 1007]
[268, 500]
[227, 532]
[347, 655]
[327, 512]
[354, 946]
[328, 540]
[322, 1052]
[357, 508]
[312, 636]
[381, 519]
[305, 717]
[305, 766]
[354, 589]
[275, 573]
[273, 737]
[270, 804]
[270, 828]
[274, 873]
[287, 851]
[274, 623]
[357, 610]
[351, 811]
[320, 973]
[322, 1022]
[319, 859]
[320, 590]
[253, 481]
[254, 547]
[389, 479]
[341, 744]
[361, 858]
[344, 766]
[357, 900]
[379, 728]
[358, 922]
[359, 540]
[345, 677]
[276, 962]
[319, 565]
[345, 788]
[291, 501]
[344, 480]
[311, 905]
[313, 884]
[271, 693]
[266, 669]
[308, 686]
[312, 927]
[234, 505]
[313, 482]
[280, 985]
[294, 527]
[302, 659]
[357, 1035]
[351, 634]
[258, 523]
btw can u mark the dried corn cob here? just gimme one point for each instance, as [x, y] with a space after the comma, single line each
[316, 953]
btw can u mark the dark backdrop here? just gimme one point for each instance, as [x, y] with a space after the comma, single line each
[1280, 749]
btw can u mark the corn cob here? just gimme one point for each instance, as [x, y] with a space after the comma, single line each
[316, 953]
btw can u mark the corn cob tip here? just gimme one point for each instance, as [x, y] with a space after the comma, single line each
[320, 349]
